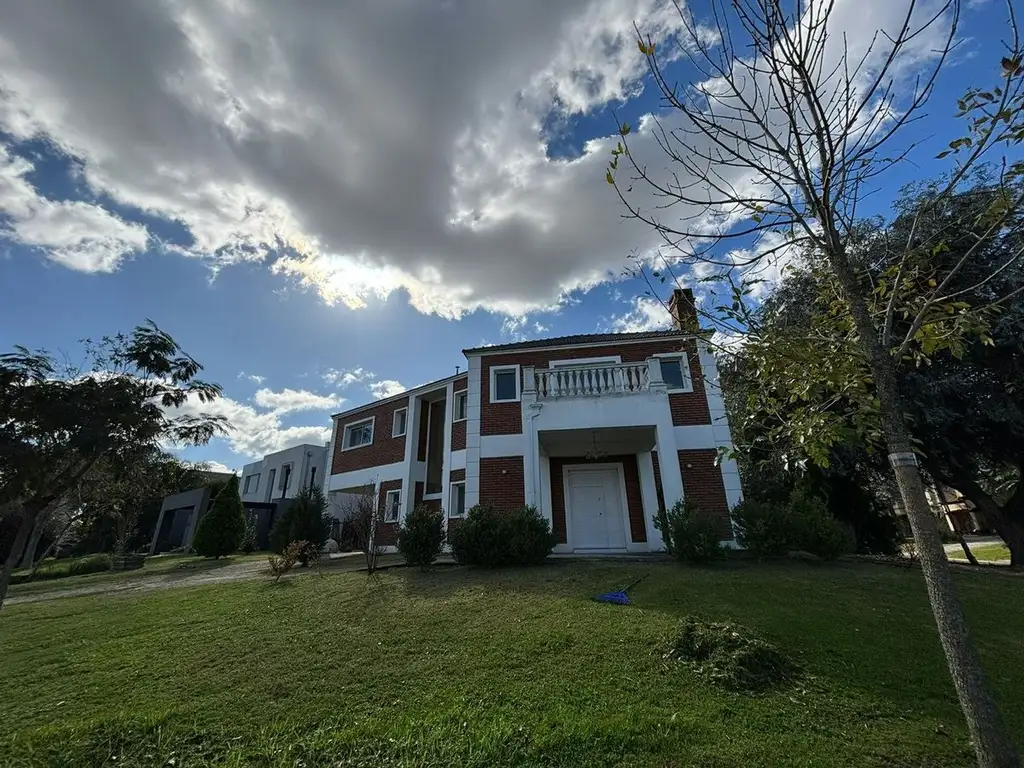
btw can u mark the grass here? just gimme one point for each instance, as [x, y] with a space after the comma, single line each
[991, 552]
[460, 667]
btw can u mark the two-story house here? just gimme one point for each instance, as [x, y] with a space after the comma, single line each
[281, 475]
[596, 431]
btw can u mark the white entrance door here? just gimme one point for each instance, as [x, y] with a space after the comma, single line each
[595, 509]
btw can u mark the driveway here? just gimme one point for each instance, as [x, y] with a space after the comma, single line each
[345, 561]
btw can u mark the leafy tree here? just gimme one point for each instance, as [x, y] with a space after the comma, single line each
[221, 529]
[421, 535]
[60, 420]
[787, 131]
[305, 518]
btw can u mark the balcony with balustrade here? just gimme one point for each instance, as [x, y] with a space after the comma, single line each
[591, 395]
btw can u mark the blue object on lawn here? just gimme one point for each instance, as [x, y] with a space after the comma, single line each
[619, 597]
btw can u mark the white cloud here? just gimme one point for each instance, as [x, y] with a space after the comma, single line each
[216, 466]
[290, 400]
[646, 314]
[254, 432]
[78, 235]
[386, 388]
[346, 378]
[418, 165]
[254, 378]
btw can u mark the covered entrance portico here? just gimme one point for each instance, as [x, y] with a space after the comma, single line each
[598, 488]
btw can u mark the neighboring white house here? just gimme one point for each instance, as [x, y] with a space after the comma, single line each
[283, 474]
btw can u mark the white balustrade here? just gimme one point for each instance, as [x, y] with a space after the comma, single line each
[592, 380]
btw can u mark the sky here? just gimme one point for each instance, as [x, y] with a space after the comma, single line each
[325, 202]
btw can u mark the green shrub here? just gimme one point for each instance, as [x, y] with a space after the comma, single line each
[689, 534]
[89, 564]
[248, 543]
[731, 656]
[767, 529]
[421, 536]
[815, 530]
[220, 530]
[495, 538]
[762, 528]
[304, 519]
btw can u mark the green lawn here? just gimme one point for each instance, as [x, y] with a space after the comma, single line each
[991, 552]
[459, 667]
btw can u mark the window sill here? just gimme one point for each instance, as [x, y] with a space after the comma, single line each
[356, 447]
[513, 400]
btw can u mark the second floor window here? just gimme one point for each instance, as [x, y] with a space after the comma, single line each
[398, 426]
[252, 483]
[358, 434]
[461, 399]
[504, 384]
[676, 373]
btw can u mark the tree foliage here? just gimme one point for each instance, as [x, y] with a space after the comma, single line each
[59, 420]
[220, 530]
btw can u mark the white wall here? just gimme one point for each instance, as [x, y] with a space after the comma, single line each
[303, 458]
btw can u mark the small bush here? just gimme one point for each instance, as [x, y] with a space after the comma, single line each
[248, 543]
[89, 564]
[767, 529]
[815, 530]
[421, 535]
[495, 538]
[220, 530]
[305, 518]
[731, 656]
[689, 534]
[762, 528]
[293, 553]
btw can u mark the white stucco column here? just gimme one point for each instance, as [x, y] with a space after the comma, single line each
[649, 494]
[473, 434]
[531, 458]
[446, 462]
[668, 461]
[412, 438]
[544, 497]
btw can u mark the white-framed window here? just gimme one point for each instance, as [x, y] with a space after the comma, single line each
[675, 370]
[252, 483]
[392, 506]
[399, 423]
[461, 402]
[504, 383]
[357, 434]
[457, 499]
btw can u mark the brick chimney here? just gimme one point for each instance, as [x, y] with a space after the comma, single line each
[683, 310]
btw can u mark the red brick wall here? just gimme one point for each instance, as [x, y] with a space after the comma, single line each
[458, 475]
[634, 499]
[506, 418]
[417, 494]
[384, 449]
[702, 482]
[387, 533]
[502, 484]
[459, 435]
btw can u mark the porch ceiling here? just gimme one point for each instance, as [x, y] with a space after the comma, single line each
[613, 441]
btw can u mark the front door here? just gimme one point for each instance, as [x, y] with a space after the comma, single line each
[595, 509]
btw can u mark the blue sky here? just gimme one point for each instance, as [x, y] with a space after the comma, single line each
[294, 204]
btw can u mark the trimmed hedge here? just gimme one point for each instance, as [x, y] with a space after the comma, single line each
[495, 538]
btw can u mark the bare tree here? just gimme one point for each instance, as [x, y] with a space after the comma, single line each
[788, 128]
[362, 511]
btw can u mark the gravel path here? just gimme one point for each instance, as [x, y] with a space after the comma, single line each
[180, 578]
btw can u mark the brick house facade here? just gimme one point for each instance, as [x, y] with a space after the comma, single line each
[578, 427]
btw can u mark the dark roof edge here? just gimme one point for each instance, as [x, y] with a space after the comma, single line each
[583, 340]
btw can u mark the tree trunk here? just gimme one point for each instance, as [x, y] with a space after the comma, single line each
[966, 548]
[1012, 532]
[53, 546]
[990, 738]
[28, 520]
[29, 555]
